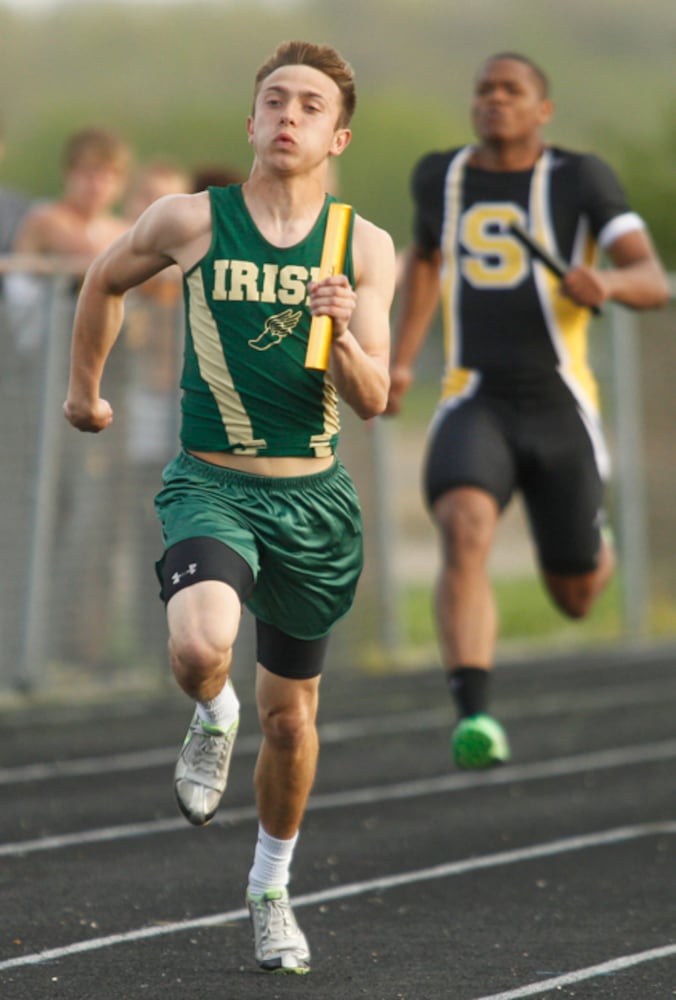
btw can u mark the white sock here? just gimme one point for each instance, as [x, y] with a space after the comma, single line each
[272, 861]
[222, 710]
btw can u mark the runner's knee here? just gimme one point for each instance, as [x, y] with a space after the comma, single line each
[287, 726]
[576, 594]
[466, 520]
[198, 658]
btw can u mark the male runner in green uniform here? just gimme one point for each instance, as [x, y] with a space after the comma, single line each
[519, 407]
[257, 509]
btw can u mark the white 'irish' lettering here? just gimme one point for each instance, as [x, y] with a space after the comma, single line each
[244, 281]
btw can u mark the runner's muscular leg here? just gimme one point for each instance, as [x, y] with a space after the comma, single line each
[465, 606]
[575, 595]
[287, 760]
[203, 622]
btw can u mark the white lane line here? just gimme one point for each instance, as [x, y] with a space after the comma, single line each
[580, 975]
[83, 766]
[338, 732]
[442, 784]
[450, 869]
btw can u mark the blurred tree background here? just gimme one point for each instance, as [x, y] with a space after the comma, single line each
[176, 79]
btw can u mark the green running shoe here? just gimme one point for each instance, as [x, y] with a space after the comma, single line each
[479, 742]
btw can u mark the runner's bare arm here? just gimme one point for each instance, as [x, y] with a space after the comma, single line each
[361, 320]
[419, 300]
[636, 277]
[172, 230]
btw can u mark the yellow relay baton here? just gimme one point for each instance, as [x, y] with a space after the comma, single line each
[332, 261]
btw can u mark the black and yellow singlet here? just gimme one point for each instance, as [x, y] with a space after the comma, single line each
[502, 312]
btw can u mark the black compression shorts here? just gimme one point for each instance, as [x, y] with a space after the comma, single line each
[196, 559]
[530, 438]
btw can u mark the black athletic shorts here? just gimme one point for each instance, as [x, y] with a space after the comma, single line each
[529, 436]
[196, 559]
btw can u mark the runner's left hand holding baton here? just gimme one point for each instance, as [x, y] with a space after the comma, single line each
[332, 262]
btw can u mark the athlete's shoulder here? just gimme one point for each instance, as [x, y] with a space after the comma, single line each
[371, 243]
[363, 228]
[433, 166]
[171, 224]
[586, 167]
[228, 195]
[589, 182]
[225, 203]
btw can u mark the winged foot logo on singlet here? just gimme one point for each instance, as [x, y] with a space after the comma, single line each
[276, 329]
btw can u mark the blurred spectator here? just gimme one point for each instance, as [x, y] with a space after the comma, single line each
[13, 206]
[153, 180]
[79, 224]
[72, 228]
[215, 175]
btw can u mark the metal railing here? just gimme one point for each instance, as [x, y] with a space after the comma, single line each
[78, 535]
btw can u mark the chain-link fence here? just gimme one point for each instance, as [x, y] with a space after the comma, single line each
[78, 534]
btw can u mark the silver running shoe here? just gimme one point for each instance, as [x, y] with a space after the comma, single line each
[202, 770]
[280, 944]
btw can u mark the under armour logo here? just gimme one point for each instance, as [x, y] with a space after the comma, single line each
[190, 571]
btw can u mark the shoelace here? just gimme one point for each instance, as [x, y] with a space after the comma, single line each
[209, 748]
[275, 920]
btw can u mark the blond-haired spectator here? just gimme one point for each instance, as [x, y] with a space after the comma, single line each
[81, 222]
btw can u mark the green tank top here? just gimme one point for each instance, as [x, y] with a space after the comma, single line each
[245, 387]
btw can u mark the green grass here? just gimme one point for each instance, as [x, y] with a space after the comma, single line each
[525, 613]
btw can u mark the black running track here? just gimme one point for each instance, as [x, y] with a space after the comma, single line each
[554, 876]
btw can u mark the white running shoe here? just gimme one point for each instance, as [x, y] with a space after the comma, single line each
[202, 769]
[280, 944]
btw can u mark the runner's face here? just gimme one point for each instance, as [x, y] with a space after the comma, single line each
[295, 119]
[508, 105]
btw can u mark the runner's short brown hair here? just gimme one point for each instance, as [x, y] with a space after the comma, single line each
[322, 57]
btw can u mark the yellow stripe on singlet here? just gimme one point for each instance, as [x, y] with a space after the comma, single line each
[567, 323]
[455, 379]
[214, 370]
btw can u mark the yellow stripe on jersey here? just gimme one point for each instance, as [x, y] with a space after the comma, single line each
[214, 370]
[567, 323]
[450, 275]
[456, 381]
[321, 443]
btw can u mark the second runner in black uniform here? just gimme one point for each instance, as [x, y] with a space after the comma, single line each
[519, 406]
